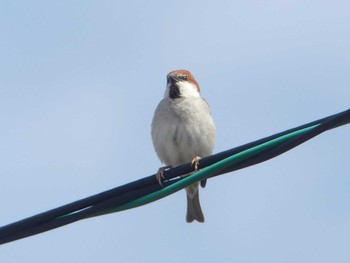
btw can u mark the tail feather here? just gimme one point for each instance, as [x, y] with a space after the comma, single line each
[194, 210]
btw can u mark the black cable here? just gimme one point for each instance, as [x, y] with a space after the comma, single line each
[115, 197]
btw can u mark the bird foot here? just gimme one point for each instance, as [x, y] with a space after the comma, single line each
[195, 162]
[160, 174]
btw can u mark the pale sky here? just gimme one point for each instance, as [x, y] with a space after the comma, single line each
[80, 80]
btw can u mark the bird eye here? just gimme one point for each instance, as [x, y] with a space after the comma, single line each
[183, 77]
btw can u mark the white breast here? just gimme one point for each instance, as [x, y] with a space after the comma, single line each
[182, 129]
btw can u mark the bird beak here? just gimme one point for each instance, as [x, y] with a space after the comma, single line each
[173, 78]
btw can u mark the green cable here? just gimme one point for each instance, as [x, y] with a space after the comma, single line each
[207, 172]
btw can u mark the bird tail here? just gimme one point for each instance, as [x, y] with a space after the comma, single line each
[194, 210]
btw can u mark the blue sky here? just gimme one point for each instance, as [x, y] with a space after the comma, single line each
[80, 80]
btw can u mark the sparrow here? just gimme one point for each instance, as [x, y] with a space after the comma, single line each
[183, 131]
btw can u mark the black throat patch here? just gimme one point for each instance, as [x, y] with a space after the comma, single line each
[174, 92]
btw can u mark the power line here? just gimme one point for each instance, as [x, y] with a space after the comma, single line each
[147, 190]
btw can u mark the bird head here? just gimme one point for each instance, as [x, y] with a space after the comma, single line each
[181, 84]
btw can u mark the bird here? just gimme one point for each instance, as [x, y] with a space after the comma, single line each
[183, 131]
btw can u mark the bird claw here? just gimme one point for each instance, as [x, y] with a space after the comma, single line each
[160, 175]
[195, 162]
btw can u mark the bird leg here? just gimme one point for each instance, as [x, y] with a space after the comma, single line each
[195, 162]
[160, 174]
